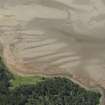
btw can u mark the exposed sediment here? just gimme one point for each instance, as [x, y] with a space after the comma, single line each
[55, 38]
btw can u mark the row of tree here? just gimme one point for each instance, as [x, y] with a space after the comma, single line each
[52, 91]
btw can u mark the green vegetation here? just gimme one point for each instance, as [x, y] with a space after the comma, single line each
[19, 80]
[50, 91]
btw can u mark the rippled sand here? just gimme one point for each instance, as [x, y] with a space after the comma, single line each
[55, 37]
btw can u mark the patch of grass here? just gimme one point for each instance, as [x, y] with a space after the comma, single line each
[20, 80]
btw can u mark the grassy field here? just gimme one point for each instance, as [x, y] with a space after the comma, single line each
[19, 80]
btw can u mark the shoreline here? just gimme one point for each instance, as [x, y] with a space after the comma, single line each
[16, 72]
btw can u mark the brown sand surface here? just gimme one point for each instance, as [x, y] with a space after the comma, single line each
[55, 38]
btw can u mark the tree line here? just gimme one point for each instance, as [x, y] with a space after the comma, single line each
[51, 91]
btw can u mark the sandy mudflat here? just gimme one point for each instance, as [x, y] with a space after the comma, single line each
[55, 37]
